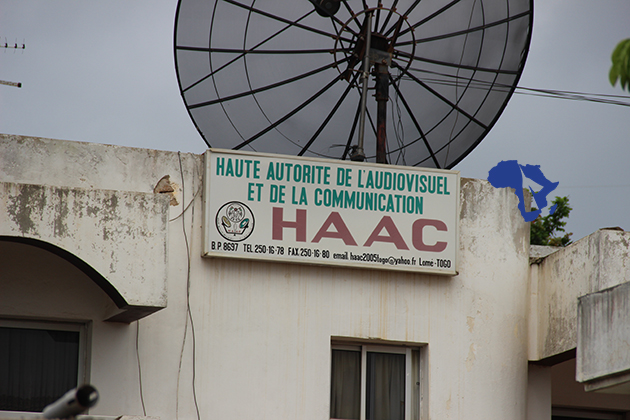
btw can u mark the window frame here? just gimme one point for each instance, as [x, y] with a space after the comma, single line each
[586, 414]
[395, 348]
[82, 327]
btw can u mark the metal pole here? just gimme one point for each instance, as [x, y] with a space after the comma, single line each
[359, 153]
[382, 93]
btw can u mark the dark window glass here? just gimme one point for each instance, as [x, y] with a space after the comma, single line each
[36, 367]
[385, 386]
[578, 418]
[345, 389]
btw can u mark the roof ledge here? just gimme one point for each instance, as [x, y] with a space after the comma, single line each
[117, 238]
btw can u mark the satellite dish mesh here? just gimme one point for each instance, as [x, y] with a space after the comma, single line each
[283, 76]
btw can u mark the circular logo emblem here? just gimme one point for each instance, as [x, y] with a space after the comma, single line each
[235, 221]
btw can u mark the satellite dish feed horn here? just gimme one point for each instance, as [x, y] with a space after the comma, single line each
[326, 8]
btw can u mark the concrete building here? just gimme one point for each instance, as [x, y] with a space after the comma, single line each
[105, 243]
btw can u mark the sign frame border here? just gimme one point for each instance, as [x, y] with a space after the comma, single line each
[208, 219]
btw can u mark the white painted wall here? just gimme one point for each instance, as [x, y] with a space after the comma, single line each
[262, 331]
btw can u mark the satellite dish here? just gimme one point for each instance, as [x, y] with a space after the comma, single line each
[284, 76]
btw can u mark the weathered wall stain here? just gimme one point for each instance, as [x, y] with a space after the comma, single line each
[25, 207]
[61, 213]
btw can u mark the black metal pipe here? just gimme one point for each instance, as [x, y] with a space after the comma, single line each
[382, 93]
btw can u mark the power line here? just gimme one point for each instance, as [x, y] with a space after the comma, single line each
[595, 186]
[451, 80]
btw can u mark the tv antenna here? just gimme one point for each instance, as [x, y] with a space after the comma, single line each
[15, 46]
[294, 76]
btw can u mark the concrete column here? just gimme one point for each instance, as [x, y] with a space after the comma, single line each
[538, 392]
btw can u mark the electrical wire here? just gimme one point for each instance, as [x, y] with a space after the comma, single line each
[188, 310]
[399, 129]
[186, 208]
[144, 409]
[596, 186]
[457, 97]
[179, 370]
[450, 80]
[575, 96]
[188, 314]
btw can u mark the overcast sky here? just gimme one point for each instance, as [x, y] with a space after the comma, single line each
[103, 71]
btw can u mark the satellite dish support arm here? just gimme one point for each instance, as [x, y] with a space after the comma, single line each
[382, 93]
[359, 153]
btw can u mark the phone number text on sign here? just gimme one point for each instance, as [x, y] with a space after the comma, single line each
[263, 206]
[325, 254]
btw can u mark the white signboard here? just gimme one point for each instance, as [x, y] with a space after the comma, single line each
[317, 211]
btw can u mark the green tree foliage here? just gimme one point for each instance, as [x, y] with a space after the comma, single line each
[620, 69]
[543, 229]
